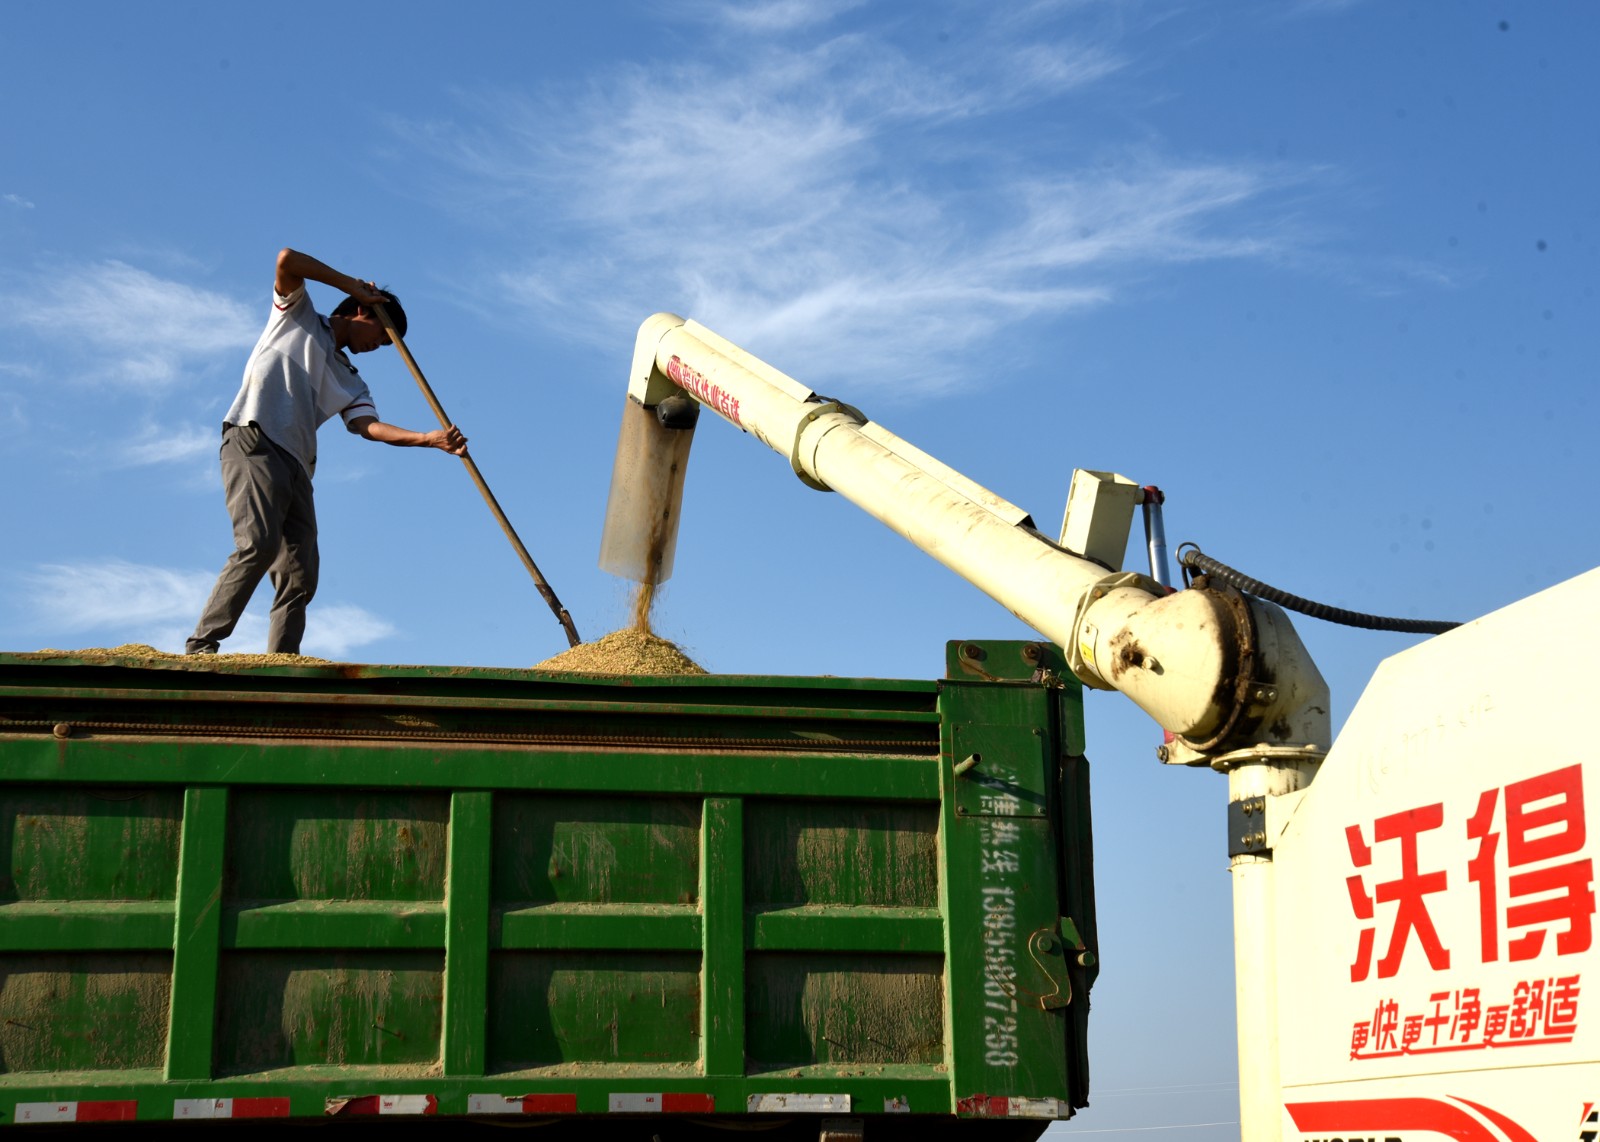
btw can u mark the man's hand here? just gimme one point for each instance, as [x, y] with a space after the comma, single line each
[448, 440]
[365, 292]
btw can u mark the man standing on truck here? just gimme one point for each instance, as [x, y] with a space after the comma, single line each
[298, 376]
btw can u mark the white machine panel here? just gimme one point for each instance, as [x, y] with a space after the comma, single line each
[1438, 965]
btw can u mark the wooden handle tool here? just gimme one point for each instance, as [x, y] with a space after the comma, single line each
[477, 478]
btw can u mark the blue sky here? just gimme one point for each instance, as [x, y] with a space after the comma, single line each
[1323, 271]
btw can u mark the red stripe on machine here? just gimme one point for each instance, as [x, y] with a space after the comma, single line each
[1364, 1114]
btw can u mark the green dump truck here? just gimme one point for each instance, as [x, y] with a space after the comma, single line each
[663, 904]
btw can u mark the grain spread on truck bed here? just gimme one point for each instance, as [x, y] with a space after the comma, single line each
[630, 651]
[141, 650]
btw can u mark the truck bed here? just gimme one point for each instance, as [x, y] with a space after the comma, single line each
[345, 890]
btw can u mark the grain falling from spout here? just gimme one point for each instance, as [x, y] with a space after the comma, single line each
[644, 599]
[644, 592]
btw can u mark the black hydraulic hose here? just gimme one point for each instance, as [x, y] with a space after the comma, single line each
[1191, 557]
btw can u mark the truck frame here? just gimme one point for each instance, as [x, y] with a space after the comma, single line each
[234, 893]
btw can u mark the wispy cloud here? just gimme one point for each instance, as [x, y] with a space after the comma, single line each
[16, 200]
[122, 602]
[1437, 275]
[335, 630]
[835, 200]
[117, 324]
[769, 16]
[13, 412]
[153, 444]
[1318, 7]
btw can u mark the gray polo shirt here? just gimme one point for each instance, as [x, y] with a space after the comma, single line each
[296, 379]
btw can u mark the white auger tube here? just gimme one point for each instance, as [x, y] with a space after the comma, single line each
[1216, 669]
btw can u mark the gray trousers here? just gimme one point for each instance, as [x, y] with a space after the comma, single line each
[274, 532]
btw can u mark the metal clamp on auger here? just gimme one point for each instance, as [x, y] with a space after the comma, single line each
[1080, 648]
[823, 408]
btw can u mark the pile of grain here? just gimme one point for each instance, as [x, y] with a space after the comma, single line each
[141, 650]
[631, 651]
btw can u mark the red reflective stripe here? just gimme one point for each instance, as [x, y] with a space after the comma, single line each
[1401, 1114]
[982, 1106]
[261, 1108]
[688, 1103]
[365, 1105]
[550, 1104]
[373, 1104]
[122, 1111]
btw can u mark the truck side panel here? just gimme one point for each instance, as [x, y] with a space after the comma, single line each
[311, 891]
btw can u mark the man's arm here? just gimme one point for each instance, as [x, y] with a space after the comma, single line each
[295, 269]
[445, 439]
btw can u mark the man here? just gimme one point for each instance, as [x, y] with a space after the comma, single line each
[297, 377]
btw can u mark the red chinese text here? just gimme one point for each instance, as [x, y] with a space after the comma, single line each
[1538, 1011]
[1544, 823]
[1532, 830]
[706, 391]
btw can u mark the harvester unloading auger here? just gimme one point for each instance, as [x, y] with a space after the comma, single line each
[1225, 674]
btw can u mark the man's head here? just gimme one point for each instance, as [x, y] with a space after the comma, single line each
[362, 331]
